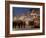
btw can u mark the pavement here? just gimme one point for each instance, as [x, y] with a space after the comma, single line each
[26, 28]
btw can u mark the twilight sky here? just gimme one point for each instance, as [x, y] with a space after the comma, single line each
[19, 10]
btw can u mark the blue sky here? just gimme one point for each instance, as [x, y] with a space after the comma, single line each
[19, 10]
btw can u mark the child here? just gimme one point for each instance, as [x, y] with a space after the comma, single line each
[36, 22]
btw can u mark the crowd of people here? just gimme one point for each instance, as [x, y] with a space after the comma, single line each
[34, 22]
